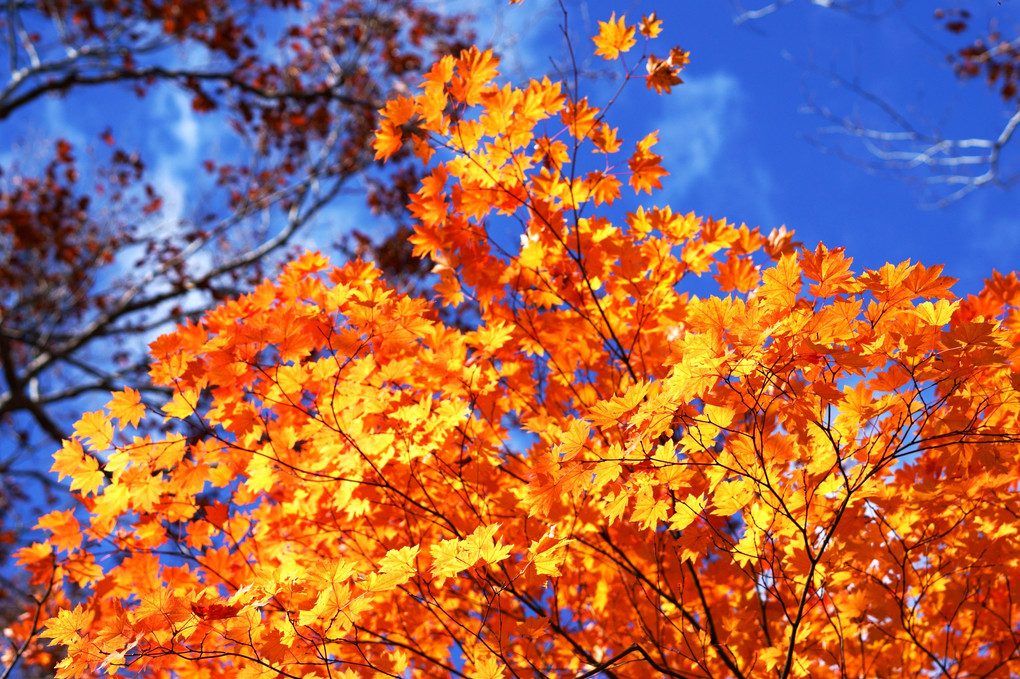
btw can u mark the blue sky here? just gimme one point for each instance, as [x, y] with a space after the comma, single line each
[738, 141]
[734, 136]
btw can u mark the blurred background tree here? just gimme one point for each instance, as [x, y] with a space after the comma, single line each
[100, 252]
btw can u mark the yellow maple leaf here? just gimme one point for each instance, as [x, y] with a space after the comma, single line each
[731, 497]
[782, 283]
[614, 37]
[487, 669]
[400, 560]
[574, 440]
[615, 505]
[937, 314]
[88, 477]
[126, 406]
[68, 460]
[606, 471]
[548, 554]
[95, 428]
[182, 405]
[447, 560]
[647, 510]
[687, 511]
[68, 625]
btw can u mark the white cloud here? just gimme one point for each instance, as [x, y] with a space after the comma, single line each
[520, 35]
[177, 154]
[176, 141]
[699, 120]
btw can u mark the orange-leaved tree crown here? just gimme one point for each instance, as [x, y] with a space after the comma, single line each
[591, 472]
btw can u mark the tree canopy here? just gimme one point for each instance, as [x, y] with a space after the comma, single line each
[98, 255]
[592, 472]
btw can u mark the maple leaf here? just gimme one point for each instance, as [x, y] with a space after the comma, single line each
[614, 37]
[126, 406]
[389, 138]
[182, 405]
[66, 627]
[937, 314]
[69, 460]
[489, 668]
[687, 512]
[548, 554]
[605, 139]
[96, 429]
[88, 476]
[648, 510]
[831, 270]
[214, 611]
[679, 58]
[399, 110]
[37, 551]
[604, 188]
[400, 560]
[574, 440]
[661, 75]
[929, 282]
[447, 559]
[606, 471]
[492, 336]
[651, 25]
[475, 70]
[729, 498]
[615, 505]
[782, 283]
[580, 118]
[737, 273]
[645, 167]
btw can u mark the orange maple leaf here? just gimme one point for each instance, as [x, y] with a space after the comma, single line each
[832, 271]
[662, 75]
[64, 528]
[645, 166]
[389, 138]
[782, 283]
[475, 70]
[214, 611]
[651, 25]
[738, 273]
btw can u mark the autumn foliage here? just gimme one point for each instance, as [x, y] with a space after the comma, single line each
[813, 473]
[991, 54]
[94, 255]
[252, 117]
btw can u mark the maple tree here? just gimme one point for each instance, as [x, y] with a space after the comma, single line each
[813, 473]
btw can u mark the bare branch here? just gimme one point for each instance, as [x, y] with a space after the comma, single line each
[965, 164]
